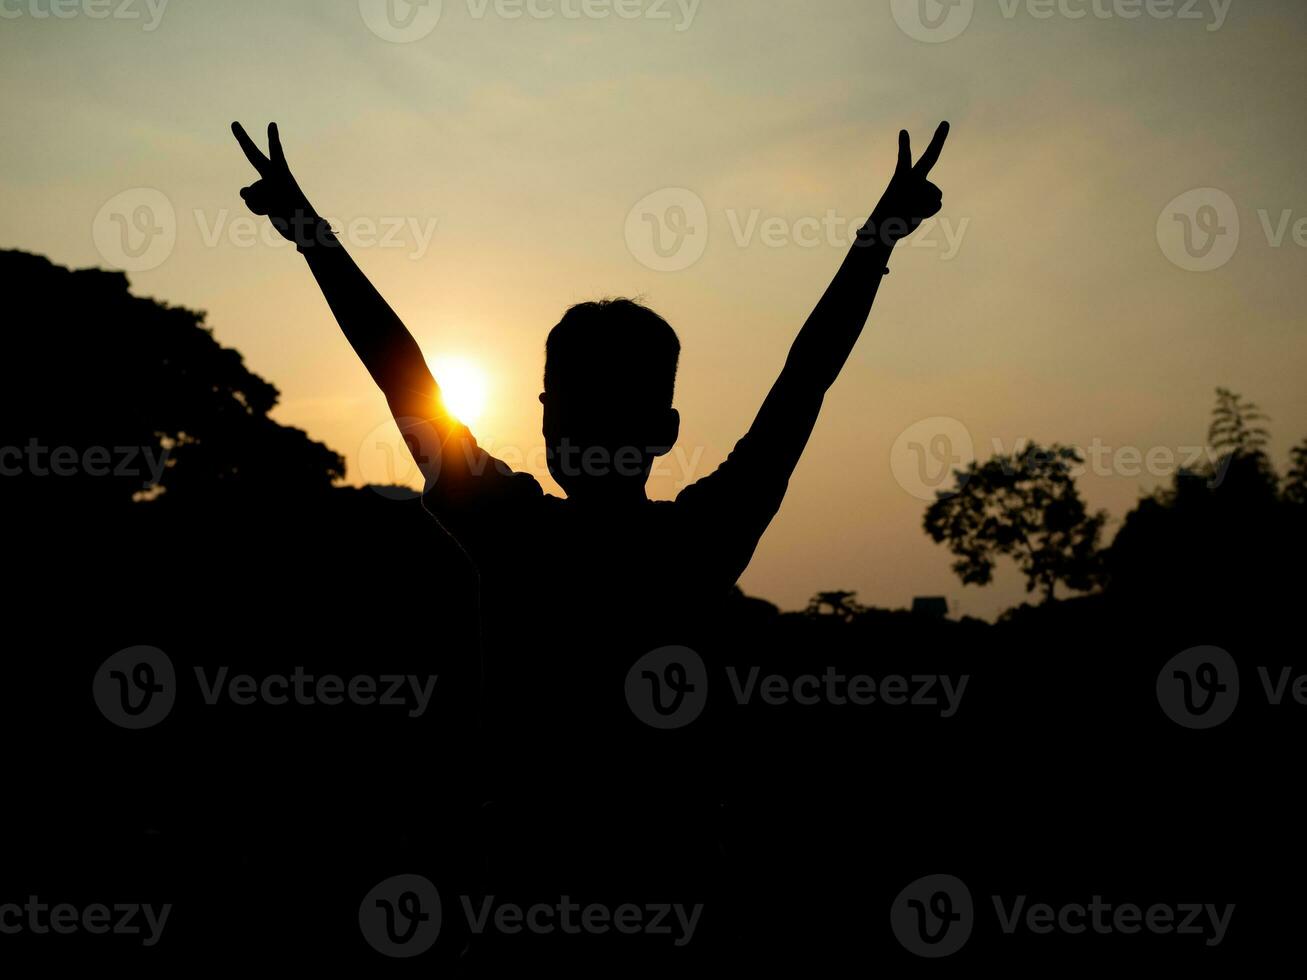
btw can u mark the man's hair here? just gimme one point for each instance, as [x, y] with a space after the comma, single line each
[616, 346]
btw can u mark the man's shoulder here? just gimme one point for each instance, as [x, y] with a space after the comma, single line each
[503, 485]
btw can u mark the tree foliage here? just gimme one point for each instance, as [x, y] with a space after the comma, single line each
[842, 605]
[1295, 484]
[1025, 507]
[1234, 429]
[1224, 534]
[95, 369]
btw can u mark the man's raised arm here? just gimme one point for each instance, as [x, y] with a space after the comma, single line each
[827, 338]
[750, 484]
[376, 333]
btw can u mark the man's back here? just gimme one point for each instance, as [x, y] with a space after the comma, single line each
[573, 594]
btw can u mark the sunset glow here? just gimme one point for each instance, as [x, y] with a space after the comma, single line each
[587, 158]
[463, 387]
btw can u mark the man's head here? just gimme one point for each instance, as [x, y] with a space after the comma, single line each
[610, 372]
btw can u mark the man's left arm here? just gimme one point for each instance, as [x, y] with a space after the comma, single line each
[752, 481]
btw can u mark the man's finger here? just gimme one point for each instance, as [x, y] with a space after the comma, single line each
[254, 199]
[931, 156]
[905, 151]
[252, 152]
[274, 144]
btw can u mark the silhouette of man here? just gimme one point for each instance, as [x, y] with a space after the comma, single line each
[575, 591]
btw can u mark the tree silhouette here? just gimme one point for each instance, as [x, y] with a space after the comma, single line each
[1025, 507]
[842, 605]
[1234, 428]
[1241, 442]
[106, 374]
[1220, 534]
[1295, 484]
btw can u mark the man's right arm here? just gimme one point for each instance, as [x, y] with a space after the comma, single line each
[390, 354]
[441, 445]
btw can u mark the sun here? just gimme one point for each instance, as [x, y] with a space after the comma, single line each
[462, 387]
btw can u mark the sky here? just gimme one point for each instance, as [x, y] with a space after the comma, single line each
[1124, 224]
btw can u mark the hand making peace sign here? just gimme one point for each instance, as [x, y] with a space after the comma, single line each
[910, 198]
[276, 193]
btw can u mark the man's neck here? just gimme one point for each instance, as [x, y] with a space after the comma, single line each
[618, 495]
